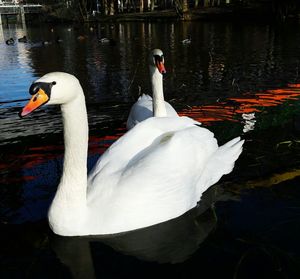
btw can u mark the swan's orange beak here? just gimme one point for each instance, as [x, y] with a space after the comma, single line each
[161, 67]
[35, 102]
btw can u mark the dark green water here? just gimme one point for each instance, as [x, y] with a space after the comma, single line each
[236, 78]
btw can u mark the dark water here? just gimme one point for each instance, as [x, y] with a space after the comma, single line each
[236, 78]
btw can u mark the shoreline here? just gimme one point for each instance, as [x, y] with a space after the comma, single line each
[211, 13]
[207, 14]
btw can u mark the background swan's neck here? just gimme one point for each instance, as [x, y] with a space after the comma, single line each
[159, 108]
[70, 198]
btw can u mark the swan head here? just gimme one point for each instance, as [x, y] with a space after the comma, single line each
[55, 88]
[156, 61]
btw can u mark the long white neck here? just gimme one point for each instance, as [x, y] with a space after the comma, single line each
[159, 108]
[70, 199]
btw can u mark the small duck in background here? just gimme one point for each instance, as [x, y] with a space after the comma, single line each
[23, 39]
[81, 37]
[10, 41]
[108, 41]
[186, 41]
[46, 43]
[58, 40]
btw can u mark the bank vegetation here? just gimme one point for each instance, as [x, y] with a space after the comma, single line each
[86, 10]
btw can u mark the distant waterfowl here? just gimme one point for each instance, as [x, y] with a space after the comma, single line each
[23, 39]
[81, 37]
[111, 42]
[46, 43]
[10, 41]
[186, 41]
[104, 40]
[58, 39]
[157, 171]
[146, 106]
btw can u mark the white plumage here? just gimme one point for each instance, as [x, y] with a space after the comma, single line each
[155, 172]
[145, 106]
[143, 109]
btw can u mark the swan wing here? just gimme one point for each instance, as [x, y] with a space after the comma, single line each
[142, 109]
[156, 172]
[221, 162]
[160, 182]
[171, 112]
[136, 140]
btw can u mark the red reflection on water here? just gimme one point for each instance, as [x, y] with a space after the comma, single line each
[33, 156]
[98, 145]
[15, 162]
[13, 180]
[295, 85]
[251, 103]
[210, 113]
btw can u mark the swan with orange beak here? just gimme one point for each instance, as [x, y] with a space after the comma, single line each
[146, 107]
[40, 92]
[155, 172]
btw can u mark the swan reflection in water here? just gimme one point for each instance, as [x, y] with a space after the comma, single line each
[173, 241]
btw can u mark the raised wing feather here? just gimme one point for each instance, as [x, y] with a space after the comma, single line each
[142, 109]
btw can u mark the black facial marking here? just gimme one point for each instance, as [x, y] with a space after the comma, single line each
[158, 58]
[46, 86]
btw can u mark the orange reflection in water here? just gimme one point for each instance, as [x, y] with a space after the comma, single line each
[97, 145]
[207, 114]
[250, 103]
[33, 156]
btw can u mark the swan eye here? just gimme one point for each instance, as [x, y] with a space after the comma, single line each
[34, 88]
[53, 82]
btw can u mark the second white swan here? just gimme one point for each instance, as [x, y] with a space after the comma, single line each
[146, 106]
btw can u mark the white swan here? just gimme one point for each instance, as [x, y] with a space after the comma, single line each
[155, 172]
[145, 106]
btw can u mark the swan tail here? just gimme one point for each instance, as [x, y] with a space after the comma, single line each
[221, 163]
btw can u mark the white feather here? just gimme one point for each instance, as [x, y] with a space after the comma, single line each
[155, 172]
[145, 106]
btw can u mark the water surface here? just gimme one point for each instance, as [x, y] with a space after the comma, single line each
[237, 79]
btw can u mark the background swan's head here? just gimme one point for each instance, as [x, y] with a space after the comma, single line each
[156, 61]
[53, 88]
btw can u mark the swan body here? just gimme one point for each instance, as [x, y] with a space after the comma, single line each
[145, 106]
[143, 109]
[155, 172]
